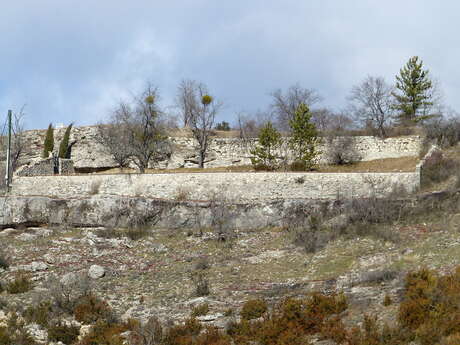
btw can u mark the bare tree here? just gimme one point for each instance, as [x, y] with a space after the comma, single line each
[198, 109]
[286, 103]
[112, 137]
[372, 103]
[17, 138]
[136, 125]
[185, 97]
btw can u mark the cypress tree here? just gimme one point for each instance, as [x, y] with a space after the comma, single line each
[64, 146]
[49, 141]
[414, 97]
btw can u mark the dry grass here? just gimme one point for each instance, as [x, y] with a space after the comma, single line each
[403, 164]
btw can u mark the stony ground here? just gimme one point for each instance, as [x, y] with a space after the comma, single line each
[154, 275]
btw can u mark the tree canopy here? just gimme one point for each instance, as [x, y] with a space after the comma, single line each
[413, 100]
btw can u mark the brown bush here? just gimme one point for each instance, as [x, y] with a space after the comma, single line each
[91, 309]
[105, 333]
[253, 309]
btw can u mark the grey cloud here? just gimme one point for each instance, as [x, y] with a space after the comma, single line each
[73, 60]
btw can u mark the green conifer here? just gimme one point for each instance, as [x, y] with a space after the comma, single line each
[49, 141]
[64, 146]
[415, 92]
[304, 139]
[265, 152]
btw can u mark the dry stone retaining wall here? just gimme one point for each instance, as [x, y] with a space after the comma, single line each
[232, 186]
[89, 154]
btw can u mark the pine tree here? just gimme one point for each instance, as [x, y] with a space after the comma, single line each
[265, 152]
[415, 92]
[49, 141]
[64, 146]
[304, 139]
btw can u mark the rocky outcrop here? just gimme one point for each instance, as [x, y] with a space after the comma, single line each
[119, 211]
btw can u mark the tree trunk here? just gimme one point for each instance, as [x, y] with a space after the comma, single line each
[201, 159]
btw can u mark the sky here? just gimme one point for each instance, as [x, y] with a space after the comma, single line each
[73, 61]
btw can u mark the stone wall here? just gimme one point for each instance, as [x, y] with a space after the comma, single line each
[66, 166]
[88, 154]
[261, 186]
[36, 167]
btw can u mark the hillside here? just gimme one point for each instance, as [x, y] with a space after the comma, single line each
[144, 272]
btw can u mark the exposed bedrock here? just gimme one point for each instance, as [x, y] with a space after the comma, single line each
[119, 211]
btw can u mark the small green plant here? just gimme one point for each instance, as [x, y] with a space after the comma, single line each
[201, 283]
[253, 309]
[49, 141]
[21, 284]
[200, 310]
[4, 262]
[387, 300]
[64, 333]
[265, 152]
[39, 313]
[229, 312]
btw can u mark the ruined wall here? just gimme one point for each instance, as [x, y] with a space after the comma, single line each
[36, 167]
[205, 186]
[88, 154]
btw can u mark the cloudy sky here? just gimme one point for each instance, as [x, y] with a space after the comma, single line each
[72, 61]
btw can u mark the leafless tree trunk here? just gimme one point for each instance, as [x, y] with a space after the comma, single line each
[17, 139]
[371, 102]
[198, 109]
[285, 105]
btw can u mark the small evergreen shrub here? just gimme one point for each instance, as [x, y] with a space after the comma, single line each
[387, 300]
[200, 310]
[39, 313]
[201, 283]
[64, 333]
[21, 284]
[265, 153]
[4, 262]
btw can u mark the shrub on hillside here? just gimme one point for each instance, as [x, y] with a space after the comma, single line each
[20, 284]
[201, 284]
[439, 172]
[105, 333]
[90, 309]
[200, 310]
[4, 261]
[65, 294]
[39, 313]
[63, 333]
[253, 309]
